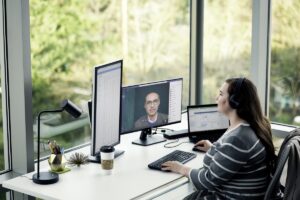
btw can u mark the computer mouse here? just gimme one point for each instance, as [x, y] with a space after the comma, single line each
[196, 149]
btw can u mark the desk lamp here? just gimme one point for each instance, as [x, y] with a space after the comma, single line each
[50, 177]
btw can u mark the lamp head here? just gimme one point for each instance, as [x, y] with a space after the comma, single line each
[71, 108]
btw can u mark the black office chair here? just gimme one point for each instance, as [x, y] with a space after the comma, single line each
[290, 149]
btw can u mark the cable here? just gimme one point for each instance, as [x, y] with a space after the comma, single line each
[167, 145]
[164, 129]
[154, 131]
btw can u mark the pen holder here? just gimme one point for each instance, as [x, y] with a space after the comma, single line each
[57, 162]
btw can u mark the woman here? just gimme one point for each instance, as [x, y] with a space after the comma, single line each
[238, 165]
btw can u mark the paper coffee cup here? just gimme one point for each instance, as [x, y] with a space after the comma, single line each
[107, 158]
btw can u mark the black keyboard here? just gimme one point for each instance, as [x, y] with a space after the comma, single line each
[177, 155]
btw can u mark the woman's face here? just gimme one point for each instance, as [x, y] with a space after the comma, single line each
[223, 98]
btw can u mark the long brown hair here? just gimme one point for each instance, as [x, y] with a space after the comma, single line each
[249, 109]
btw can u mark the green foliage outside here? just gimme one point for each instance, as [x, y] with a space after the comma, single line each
[285, 62]
[60, 51]
[227, 43]
[2, 195]
[70, 37]
[227, 52]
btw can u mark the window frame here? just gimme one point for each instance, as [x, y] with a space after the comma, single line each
[4, 103]
[16, 75]
[260, 52]
[196, 49]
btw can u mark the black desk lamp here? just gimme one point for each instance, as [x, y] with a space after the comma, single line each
[50, 177]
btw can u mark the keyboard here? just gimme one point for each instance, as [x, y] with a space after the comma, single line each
[177, 155]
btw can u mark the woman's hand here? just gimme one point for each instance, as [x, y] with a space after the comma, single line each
[203, 145]
[176, 167]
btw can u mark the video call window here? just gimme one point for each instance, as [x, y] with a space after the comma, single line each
[151, 105]
[139, 101]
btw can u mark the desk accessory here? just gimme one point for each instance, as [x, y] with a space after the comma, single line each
[50, 177]
[57, 162]
[78, 159]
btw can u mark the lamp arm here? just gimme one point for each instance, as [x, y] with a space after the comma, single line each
[38, 132]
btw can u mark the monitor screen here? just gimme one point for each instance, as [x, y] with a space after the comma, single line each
[150, 105]
[205, 122]
[106, 105]
[206, 118]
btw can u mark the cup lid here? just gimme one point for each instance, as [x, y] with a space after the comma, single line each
[107, 149]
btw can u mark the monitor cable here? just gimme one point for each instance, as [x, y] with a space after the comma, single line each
[164, 130]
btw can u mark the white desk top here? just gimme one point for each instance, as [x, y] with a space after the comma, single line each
[131, 177]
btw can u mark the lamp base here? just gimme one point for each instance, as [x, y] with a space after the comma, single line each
[45, 178]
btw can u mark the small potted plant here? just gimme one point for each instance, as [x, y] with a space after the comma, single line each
[78, 159]
[57, 159]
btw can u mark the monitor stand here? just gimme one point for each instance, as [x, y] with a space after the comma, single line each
[97, 158]
[151, 139]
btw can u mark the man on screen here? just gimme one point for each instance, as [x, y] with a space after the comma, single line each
[153, 117]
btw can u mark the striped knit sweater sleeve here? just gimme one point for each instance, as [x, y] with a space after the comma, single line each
[234, 167]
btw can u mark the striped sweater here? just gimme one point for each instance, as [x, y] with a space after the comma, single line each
[234, 167]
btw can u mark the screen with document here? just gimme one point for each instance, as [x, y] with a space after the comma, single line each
[206, 122]
[106, 105]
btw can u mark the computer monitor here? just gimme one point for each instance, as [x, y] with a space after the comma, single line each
[106, 108]
[205, 122]
[149, 105]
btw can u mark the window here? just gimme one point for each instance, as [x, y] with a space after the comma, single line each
[151, 36]
[226, 43]
[284, 104]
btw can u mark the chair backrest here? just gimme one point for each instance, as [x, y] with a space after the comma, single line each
[290, 148]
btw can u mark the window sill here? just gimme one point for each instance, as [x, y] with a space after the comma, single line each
[280, 130]
[6, 176]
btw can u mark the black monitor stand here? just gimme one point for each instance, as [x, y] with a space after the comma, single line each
[151, 139]
[97, 158]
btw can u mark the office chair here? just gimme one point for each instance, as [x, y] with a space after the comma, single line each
[289, 150]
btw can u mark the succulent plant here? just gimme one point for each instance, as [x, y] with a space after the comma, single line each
[78, 159]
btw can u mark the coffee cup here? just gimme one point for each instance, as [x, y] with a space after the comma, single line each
[107, 158]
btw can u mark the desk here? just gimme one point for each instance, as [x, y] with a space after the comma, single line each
[131, 178]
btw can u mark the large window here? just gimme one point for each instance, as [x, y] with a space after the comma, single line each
[227, 43]
[69, 37]
[285, 62]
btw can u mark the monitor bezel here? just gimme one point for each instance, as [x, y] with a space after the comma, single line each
[94, 106]
[148, 84]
